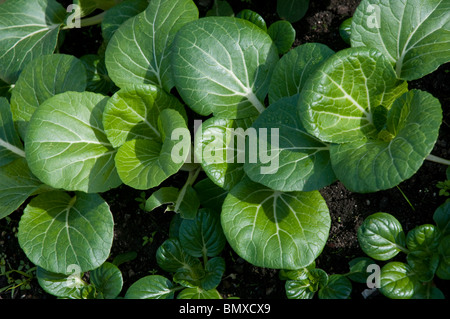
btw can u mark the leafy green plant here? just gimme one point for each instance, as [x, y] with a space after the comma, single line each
[426, 247]
[190, 254]
[74, 128]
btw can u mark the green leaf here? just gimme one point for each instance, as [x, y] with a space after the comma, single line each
[381, 236]
[198, 293]
[17, 183]
[88, 6]
[307, 285]
[283, 35]
[151, 287]
[298, 161]
[11, 147]
[358, 269]
[337, 287]
[338, 100]
[253, 17]
[66, 146]
[171, 256]
[428, 292]
[146, 163]
[41, 79]
[60, 285]
[214, 270]
[221, 149]
[139, 50]
[190, 275]
[375, 164]
[414, 35]
[120, 13]
[424, 238]
[443, 270]
[292, 10]
[108, 280]
[210, 195]
[268, 228]
[442, 218]
[222, 65]
[295, 67]
[345, 30]
[28, 29]
[423, 263]
[58, 232]
[202, 236]
[398, 281]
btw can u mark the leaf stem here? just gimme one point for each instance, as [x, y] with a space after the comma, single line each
[437, 159]
[85, 22]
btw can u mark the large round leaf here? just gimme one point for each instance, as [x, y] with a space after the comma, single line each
[381, 236]
[107, 280]
[338, 102]
[28, 29]
[398, 281]
[223, 65]
[413, 34]
[66, 146]
[282, 230]
[298, 161]
[41, 79]
[398, 152]
[59, 233]
[151, 287]
[139, 50]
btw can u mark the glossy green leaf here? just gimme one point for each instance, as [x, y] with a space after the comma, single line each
[359, 269]
[214, 270]
[292, 10]
[17, 183]
[222, 65]
[86, 7]
[253, 17]
[283, 35]
[338, 100]
[198, 293]
[120, 13]
[66, 146]
[298, 161]
[428, 292]
[58, 232]
[295, 67]
[171, 256]
[146, 163]
[442, 218]
[337, 287]
[28, 29]
[220, 147]
[60, 285]
[381, 236]
[345, 30]
[307, 285]
[414, 35]
[411, 131]
[107, 280]
[11, 147]
[424, 238]
[202, 236]
[443, 270]
[151, 287]
[268, 228]
[139, 50]
[398, 281]
[190, 276]
[41, 79]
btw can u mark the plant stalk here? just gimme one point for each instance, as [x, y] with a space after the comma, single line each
[438, 160]
[97, 19]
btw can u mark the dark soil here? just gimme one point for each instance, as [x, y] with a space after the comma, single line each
[413, 202]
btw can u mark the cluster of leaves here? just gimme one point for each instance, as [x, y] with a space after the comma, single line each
[73, 128]
[427, 249]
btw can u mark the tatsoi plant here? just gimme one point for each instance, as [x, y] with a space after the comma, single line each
[275, 124]
[381, 237]
[190, 254]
